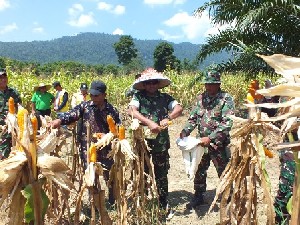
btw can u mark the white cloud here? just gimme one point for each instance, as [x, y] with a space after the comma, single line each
[166, 36]
[4, 4]
[118, 31]
[38, 30]
[192, 28]
[8, 28]
[118, 9]
[104, 6]
[163, 2]
[75, 9]
[78, 18]
[83, 20]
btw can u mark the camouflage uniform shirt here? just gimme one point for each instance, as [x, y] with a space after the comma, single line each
[155, 108]
[6, 138]
[211, 116]
[96, 117]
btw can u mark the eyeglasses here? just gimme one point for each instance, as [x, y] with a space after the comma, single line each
[153, 82]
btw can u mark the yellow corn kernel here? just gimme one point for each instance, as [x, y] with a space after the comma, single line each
[93, 153]
[268, 153]
[34, 123]
[121, 132]
[21, 124]
[250, 98]
[111, 124]
[11, 105]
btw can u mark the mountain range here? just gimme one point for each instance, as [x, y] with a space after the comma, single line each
[95, 48]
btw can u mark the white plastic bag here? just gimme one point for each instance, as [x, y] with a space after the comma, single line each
[192, 154]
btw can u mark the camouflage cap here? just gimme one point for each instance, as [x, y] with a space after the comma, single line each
[212, 77]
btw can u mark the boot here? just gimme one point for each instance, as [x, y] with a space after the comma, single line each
[197, 200]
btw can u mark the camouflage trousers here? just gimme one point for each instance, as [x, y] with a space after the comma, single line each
[285, 189]
[5, 146]
[220, 159]
[161, 163]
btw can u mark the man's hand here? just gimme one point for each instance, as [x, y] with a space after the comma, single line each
[164, 122]
[54, 123]
[154, 127]
[182, 135]
[205, 141]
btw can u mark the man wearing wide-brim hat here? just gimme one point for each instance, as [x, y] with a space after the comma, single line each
[154, 110]
[211, 116]
[41, 101]
[5, 93]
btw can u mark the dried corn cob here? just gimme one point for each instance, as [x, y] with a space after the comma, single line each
[268, 153]
[11, 105]
[121, 132]
[93, 153]
[250, 98]
[33, 146]
[111, 124]
[22, 113]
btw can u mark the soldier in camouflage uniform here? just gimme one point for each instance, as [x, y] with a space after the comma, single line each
[151, 108]
[5, 93]
[286, 177]
[211, 116]
[95, 113]
[285, 189]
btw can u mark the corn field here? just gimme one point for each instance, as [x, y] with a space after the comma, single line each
[36, 183]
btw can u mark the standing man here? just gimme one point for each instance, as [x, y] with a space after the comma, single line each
[211, 116]
[154, 110]
[94, 113]
[5, 93]
[41, 102]
[61, 98]
[80, 96]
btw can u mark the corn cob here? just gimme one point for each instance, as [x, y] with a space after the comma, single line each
[111, 124]
[93, 153]
[22, 113]
[268, 153]
[11, 105]
[33, 146]
[121, 132]
[250, 98]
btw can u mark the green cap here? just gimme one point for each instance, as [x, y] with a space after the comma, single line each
[212, 77]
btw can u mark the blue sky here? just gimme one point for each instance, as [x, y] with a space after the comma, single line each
[170, 20]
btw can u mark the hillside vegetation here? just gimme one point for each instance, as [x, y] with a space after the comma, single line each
[94, 48]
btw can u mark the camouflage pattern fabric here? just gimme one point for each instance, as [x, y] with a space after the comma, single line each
[161, 162]
[211, 116]
[5, 142]
[219, 158]
[91, 114]
[156, 109]
[285, 189]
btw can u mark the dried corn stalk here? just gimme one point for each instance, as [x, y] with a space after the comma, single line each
[245, 172]
[17, 171]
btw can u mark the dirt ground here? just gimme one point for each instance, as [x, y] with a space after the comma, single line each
[181, 188]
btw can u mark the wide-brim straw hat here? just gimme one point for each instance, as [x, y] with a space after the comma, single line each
[151, 74]
[48, 86]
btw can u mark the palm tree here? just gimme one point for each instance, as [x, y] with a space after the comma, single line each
[258, 26]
